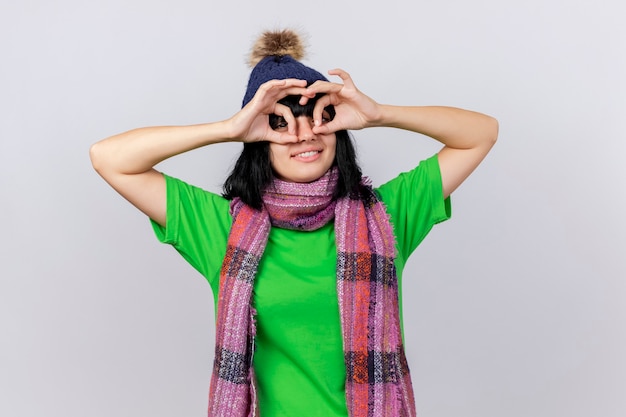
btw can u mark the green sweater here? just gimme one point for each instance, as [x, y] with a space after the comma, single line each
[299, 357]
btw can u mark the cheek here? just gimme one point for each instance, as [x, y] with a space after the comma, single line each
[277, 155]
[272, 158]
[274, 153]
[332, 147]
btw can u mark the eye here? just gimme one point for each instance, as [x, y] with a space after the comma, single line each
[328, 114]
[277, 122]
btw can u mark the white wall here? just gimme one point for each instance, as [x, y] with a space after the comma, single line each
[516, 304]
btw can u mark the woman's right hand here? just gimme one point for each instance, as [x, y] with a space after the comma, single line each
[126, 161]
[251, 123]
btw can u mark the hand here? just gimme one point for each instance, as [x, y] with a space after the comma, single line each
[251, 123]
[354, 110]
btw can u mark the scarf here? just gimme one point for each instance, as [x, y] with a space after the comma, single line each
[377, 376]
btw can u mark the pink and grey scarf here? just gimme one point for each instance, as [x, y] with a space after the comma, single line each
[377, 376]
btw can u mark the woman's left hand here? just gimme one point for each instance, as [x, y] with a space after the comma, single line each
[354, 110]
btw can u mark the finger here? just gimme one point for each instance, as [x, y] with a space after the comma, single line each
[345, 77]
[292, 91]
[293, 87]
[295, 82]
[285, 112]
[290, 86]
[305, 97]
[289, 82]
[321, 130]
[318, 110]
[264, 100]
[282, 137]
[327, 128]
[323, 87]
[333, 126]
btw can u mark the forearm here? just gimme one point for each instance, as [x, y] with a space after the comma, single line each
[138, 150]
[455, 128]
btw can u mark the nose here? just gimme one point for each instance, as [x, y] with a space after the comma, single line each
[305, 128]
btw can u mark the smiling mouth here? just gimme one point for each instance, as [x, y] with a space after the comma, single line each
[306, 154]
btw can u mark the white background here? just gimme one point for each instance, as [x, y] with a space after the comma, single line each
[513, 308]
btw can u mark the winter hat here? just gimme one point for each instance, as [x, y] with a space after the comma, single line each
[275, 56]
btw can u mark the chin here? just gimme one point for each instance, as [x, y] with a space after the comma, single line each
[301, 177]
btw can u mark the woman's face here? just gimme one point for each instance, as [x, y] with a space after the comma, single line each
[309, 158]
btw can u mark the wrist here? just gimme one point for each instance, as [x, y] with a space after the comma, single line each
[231, 132]
[385, 116]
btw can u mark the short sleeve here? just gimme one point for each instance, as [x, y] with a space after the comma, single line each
[197, 226]
[415, 203]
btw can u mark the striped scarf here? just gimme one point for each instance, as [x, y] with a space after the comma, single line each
[377, 376]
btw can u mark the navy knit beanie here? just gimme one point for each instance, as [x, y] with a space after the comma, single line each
[275, 56]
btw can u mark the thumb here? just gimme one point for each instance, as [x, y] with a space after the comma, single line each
[281, 137]
[326, 129]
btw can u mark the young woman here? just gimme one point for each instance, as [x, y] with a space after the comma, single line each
[303, 256]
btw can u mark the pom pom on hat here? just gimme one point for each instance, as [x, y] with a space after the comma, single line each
[281, 43]
[275, 56]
